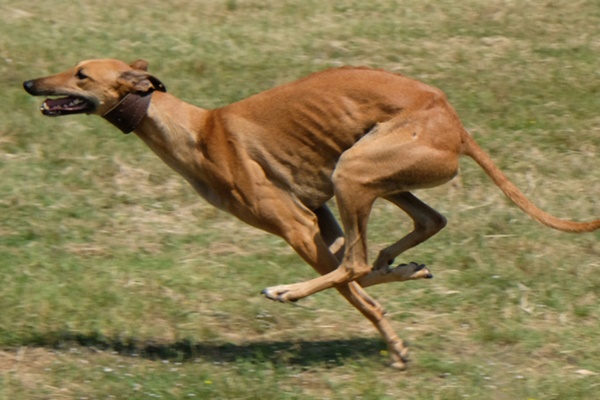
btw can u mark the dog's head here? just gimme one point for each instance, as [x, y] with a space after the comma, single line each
[92, 87]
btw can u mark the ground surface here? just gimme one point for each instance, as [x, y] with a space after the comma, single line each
[118, 282]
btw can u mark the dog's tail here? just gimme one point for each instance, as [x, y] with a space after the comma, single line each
[472, 149]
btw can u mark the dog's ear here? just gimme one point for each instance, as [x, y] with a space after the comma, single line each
[141, 81]
[142, 65]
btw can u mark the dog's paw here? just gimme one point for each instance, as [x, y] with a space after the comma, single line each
[415, 270]
[278, 293]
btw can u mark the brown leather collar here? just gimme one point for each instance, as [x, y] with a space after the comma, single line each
[129, 112]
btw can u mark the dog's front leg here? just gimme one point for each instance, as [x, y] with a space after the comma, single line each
[313, 237]
[354, 213]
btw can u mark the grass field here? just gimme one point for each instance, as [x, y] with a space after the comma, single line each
[118, 282]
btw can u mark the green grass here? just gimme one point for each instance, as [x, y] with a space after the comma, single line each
[118, 282]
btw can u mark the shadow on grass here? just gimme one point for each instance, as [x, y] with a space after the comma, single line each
[299, 353]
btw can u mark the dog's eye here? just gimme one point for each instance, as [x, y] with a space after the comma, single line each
[81, 75]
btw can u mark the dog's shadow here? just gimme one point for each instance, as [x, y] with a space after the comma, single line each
[297, 353]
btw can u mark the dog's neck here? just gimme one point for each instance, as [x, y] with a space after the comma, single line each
[173, 129]
[129, 112]
[169, 122]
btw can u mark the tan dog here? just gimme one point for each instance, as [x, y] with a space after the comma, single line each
[273, 160]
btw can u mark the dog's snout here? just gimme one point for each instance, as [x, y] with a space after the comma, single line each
[28, 86]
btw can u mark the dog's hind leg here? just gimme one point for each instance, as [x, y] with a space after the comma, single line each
[427, 222]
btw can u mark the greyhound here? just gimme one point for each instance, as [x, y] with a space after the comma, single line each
[273, 160]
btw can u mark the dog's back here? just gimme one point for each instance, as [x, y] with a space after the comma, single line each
[317, 118]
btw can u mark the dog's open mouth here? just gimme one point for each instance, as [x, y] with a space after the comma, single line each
[66, 106]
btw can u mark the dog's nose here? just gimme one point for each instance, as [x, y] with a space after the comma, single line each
[28, 86]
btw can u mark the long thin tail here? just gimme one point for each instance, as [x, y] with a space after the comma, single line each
[472, 149]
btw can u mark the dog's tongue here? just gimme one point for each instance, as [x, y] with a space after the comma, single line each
[64, 105]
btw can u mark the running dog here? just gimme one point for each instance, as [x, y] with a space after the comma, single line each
[274, 159]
